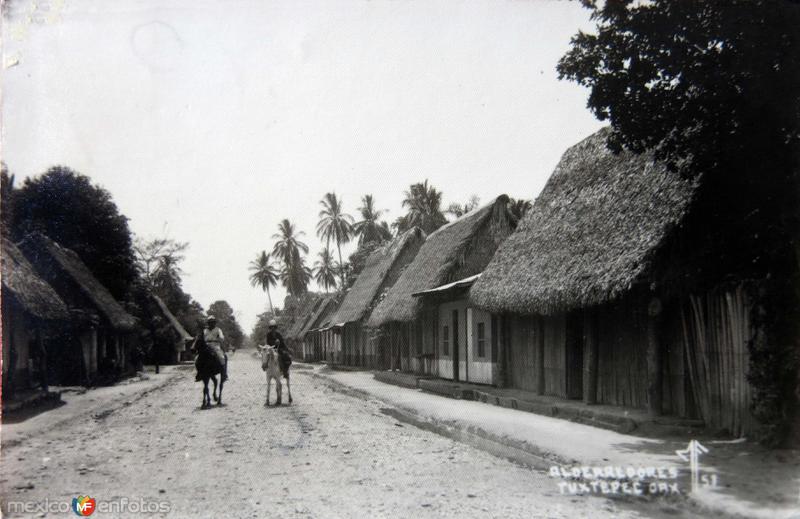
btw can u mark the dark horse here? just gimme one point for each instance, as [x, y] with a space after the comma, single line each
[209, 365]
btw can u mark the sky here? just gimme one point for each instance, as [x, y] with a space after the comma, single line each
[211, 121]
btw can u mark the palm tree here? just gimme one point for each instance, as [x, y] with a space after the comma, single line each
[288, 247]
[424, 207]
[296, 276]
[325, 270]
[459, 210]
[518, 207]
[167, 274]
[369, 228]
[264, 275]
[334, 224]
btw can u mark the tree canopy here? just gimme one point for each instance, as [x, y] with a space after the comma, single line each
[81, 216]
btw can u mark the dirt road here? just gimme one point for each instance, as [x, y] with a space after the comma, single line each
[326, 455]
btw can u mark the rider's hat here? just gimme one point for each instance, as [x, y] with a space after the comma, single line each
[273, 323]
[211, 318]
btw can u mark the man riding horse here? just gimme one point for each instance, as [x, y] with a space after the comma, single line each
[275, 339]
[211, 360]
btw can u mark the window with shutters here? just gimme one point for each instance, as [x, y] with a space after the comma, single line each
[481, 340]
[446, 340]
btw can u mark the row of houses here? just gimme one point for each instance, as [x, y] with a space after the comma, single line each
[593, 296]
[61, 326]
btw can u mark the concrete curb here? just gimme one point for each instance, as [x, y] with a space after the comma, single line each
[519, 452]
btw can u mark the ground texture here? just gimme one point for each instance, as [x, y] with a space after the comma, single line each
[327, 455]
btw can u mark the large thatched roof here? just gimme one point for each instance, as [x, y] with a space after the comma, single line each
[40, 250]
[321, 317]
[383, 264]
[295, 331]
[173, 321]
[448, 248]
[33, 293]
[590, 235]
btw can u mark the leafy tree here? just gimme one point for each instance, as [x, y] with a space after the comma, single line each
[264, 274]
[325, 270]
[459, 210]
[150, 255]
[226, 320]
[334, 224]
[694, 81]
[69, 209]
[370, 228]
[424, 209]
[6, 200]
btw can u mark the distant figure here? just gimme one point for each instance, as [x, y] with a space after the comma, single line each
[275, 340]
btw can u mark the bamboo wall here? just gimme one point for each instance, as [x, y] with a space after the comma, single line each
[717, 329]
[622, 350]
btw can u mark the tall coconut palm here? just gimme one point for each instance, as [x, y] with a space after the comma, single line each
[289, 249]
[424, 207]
[369, 228]
[334, 224]
[325, 270]
[264, 275]
[296, 277]
[288, 245]
[167, 275]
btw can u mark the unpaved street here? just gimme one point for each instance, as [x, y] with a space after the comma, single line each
[327, 455]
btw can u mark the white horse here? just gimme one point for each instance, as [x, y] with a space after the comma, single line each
[271, 365]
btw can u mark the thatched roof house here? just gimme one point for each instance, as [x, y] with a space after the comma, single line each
[53, 262]
[381, 270]
[320, 318]
[23, 285]
[457, 250]
[590, 236]
[295, 331]
[172, 320]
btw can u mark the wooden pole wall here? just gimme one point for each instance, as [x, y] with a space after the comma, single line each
[654, 358]
[591, 359]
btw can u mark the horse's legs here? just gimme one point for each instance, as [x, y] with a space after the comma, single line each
[288, 388]
[221, 383]
[214, 379]
[278, 388]
[269, 383]
[206, 398]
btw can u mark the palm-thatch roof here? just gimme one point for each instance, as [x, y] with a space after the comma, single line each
[591, 234]
[295, 331]
[381, 268]
[173, 321]
[33, 294]
[41, 251]
[443, 256]
[321, 317]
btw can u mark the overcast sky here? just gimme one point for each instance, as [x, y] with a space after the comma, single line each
[210, 121]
